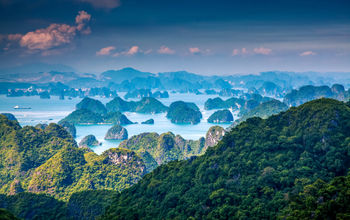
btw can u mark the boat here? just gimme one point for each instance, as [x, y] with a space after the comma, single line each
[19, 107]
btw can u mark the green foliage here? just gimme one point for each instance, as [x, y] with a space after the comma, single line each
[83, 116]
[92, 105]
[116, 132]
[250, 172]
[89, 140]
[321, 200]
[158, 149]
[118, 104]
[6, 215]
[183, 113]
[33, 206]
[309, 92]
[221, 116]
[264, 110]
[89, 204]
[145, 105]
[116, 118]
[49, 161]
[69, 127]
[149, 105]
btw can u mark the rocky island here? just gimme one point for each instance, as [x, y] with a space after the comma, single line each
[184, 113]
[89, 140]
[93, 105]
[221, 116]
[147, 105]
[148, 122]
[116, 132]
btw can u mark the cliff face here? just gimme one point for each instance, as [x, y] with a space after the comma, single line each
[125, 158]
[116, 132]
[213, 136]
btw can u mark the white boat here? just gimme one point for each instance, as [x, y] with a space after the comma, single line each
[18, 107]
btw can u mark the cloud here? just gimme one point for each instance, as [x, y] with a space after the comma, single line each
[245, 51]
[237, 52]
[133, 50]
[54, 35]
[165, 50]
[262, 50]
[307, 53]
[194, 50]
[14, 37]
[105, 51]
[103, 4]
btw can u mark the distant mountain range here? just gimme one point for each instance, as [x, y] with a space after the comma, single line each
[128, 79]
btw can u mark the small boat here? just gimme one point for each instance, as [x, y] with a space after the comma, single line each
[18, 107]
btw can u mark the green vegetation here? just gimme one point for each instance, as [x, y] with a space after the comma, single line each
[321, 200]
[149, 105]
[307, 93]
[49, 161]
[89, 140]
[145, 105]
[92, 105]
[6, 215]
[264, 110]
[10, 116]
[69, 127]
[157, 149]
[116, 132]
[245, 103]
[83, 116]
[118, 104]
[252, 173]
[183, 113]
[221, 116]
[116, 118]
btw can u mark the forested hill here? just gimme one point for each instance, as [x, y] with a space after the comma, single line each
[255, 172]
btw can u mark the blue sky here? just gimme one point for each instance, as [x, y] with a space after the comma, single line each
[202, 36]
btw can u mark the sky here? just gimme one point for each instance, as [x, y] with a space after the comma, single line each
[201, 36]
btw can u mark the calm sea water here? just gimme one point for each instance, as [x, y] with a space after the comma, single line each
[53, 110]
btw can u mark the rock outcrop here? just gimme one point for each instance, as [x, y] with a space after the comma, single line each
[116, 132]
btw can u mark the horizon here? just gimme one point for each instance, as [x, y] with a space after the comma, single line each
[222, 38]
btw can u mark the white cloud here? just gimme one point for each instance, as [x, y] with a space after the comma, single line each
[307, 53]
[54, 35]
[105, 51]
[103, 4]
[165, 50]
[262, 50]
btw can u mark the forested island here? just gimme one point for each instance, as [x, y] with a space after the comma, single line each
[308, 148]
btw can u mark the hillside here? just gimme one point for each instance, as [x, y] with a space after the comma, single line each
[252, 173]
[49, 161]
